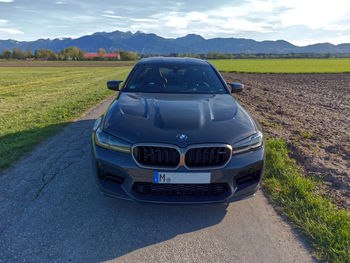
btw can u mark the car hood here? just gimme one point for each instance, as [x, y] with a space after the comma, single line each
[159, 118]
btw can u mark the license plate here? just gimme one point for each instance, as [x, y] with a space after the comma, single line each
[181, 178]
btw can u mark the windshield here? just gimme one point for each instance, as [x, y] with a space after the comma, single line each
[175, 79]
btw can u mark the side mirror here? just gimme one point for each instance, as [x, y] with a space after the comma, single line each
[114, 84]
[236, 87]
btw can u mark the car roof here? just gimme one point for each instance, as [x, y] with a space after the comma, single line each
[173, 61]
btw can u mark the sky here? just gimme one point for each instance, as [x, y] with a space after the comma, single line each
[300, 22]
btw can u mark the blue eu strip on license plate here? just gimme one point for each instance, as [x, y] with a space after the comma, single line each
[155, 177]
[181, 178]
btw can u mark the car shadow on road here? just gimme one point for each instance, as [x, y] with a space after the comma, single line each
[129, 227]
[120, 227]
[98, 228]
[71, 219]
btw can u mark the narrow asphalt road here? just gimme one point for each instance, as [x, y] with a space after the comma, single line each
[52, 211]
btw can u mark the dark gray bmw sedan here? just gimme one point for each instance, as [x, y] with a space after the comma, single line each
[175, 135]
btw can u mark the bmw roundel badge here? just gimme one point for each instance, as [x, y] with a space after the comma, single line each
[181, 137]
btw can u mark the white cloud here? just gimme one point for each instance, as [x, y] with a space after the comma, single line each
[77, 18]
[344, 27]
[315, 14]
[143, 20]
[260, 18]
[221, 21]
[341, 39]
[136, 27]
[132, 19]
[176, 22]
[112, 16]
[298, 21]
[334, 40]
[11, 31]
[108, 12]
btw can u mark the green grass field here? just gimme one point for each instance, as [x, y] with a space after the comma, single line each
[227, 65]
[37, 102]
[283, 65]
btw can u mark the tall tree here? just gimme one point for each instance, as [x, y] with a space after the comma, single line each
[72, 53]
[101, 53]
[45, 54]
[17, 53]
[28, 53]
[6, 54]
[124, 55]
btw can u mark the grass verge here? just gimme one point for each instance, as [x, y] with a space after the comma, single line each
[326, 227]
[37, 102]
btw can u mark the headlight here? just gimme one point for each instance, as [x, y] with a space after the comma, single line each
[110, 142]
[248, 144]
[97, 124]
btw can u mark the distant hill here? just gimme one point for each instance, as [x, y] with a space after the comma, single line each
[143, 43]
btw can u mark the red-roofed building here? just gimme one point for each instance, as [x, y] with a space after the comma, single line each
[106, 55]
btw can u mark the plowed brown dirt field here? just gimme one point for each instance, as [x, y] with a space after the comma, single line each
[312, 113]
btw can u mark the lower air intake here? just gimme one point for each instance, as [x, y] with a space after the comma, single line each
[153, 189]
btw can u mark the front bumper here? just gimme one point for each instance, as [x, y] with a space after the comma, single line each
[119, 176]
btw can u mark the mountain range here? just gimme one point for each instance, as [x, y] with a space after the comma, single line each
[143, 43]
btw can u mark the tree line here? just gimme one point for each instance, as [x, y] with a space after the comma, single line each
[124, 55]
[69, 53]
[218, 55]
[75, 53]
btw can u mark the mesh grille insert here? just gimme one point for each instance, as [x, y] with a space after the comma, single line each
[197, 157]
[153, 189]
[207, 156]
[157, 156]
